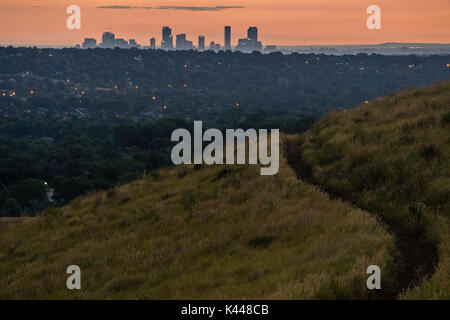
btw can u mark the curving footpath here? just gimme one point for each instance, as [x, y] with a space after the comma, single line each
[417, 258]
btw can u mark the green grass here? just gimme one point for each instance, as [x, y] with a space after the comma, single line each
[392, 156]
[198, 232]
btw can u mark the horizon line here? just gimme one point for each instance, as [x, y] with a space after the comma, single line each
[281, 45]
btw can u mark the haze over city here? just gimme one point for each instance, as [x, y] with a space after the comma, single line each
[283, 22]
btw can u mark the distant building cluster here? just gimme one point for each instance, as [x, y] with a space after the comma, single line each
[110, 41]
[248, 44]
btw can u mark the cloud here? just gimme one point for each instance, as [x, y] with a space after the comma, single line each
[186, 8]
[124, 7]
[216, 8]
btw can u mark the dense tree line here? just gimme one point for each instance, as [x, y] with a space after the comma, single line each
[46, 160]
[75, 157]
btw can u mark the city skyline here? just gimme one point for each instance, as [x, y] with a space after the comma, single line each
[247, 44]
[282, 23]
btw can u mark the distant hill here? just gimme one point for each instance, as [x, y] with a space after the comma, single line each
[198, 232]
[392, 48]
[392, 156]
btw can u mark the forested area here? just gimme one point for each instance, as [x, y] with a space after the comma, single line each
[72, 121]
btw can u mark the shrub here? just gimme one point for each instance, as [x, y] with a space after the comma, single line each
[182, 172]
[51, 215]
[371, 175]
[445, 118]
[223, 173]
[429, 151]
[260, 242]
[188, 200]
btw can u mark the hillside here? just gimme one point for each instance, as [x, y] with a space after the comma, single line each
[391, 156]
[199, 232]
[226, 232]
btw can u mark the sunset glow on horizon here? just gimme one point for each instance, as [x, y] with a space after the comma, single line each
[282, 22]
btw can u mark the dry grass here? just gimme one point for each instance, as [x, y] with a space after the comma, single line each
[212, 232]
[393, 156]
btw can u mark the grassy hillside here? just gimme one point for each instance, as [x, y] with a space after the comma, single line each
[189, 232]
[392, 156]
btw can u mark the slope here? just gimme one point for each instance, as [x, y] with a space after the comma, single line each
[392, 157]
[198, 232]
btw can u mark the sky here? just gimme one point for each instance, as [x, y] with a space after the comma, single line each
[280, 22]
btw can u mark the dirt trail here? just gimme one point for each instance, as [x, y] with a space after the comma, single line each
[417, 257]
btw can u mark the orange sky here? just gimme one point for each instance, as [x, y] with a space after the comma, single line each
[280, 22]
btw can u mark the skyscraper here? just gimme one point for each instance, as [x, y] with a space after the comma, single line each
[89, 43]
[153, 43]
[182, 43]
[133, 43]
[167, 40]
[214, 46]
[166, 33]
[227, 38]
[252, 34]
[181, 39]
[201, 43]
[121, 43]
[108, 39]
[250, 43]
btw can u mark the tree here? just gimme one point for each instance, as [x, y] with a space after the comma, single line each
[72, 187]
[28, 189]
[12, 208]
[125, 134]
[3, 195]
[42, 102]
